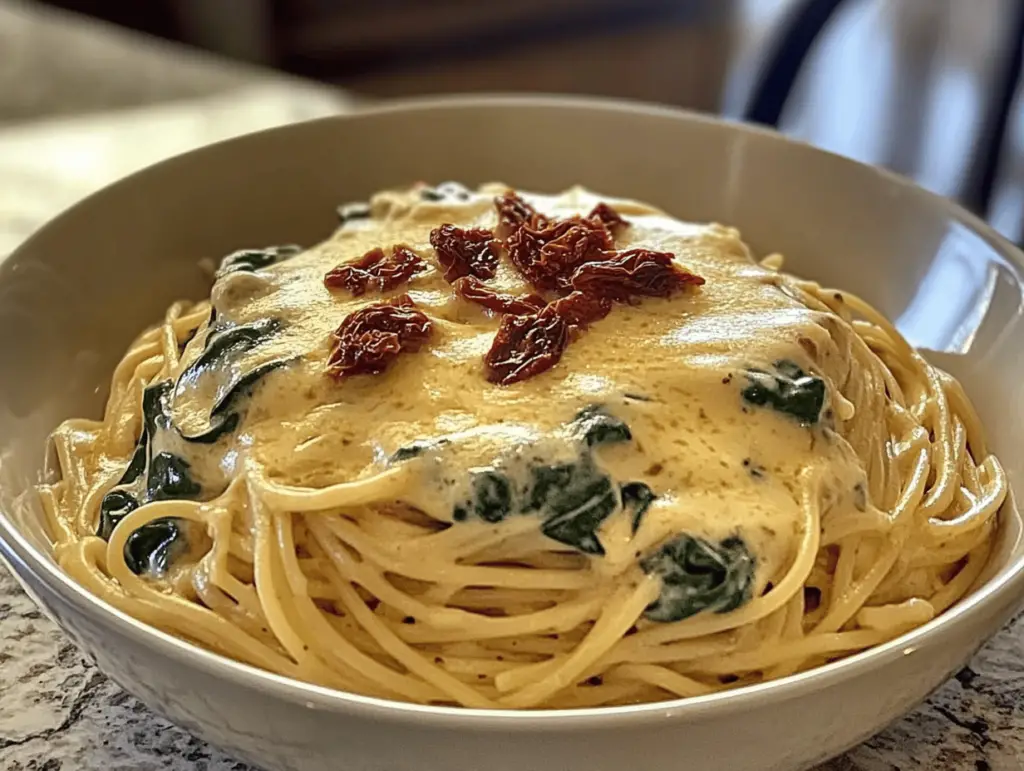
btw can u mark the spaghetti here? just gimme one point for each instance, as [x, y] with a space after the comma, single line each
[513, 492]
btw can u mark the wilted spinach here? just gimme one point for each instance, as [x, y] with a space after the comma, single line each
[150, 477]
[120, 501]
[788, 390]
[572, 498]
[574, 514]
[697, 575]
[152, 547]
[222, 420]
[445, 191]
[168, 478]
[545, 483]
[638, 497]
[231, 340]
[415, 450]
[222, 347]
[596, 426]
[491, 495]
[251, 260]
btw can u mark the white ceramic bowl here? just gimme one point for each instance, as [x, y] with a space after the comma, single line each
[73, 296]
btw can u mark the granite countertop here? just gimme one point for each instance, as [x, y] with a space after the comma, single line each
[57, 712]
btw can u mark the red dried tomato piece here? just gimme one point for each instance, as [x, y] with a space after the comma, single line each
[548, 257]
[637, 272]
[465, 252]
[514, 212]
[369, 339]
[375, 270]
[474, 290]
[580, 309]
[525, 346]
[608, 216]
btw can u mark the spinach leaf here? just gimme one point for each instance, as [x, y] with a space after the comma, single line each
[596, 426]
[231, 341]
[416, 449]
[444, 191]
[137, 464]
[116, 505]
[120, 502]
[222, 347]
[697, 575]
[150, 477]
[169, 479]
[222, 421]
[575, 513]
[492, 495]
[545, 482]
[151, 548]
[788, 390]
[638, 497]
[244, 385]
[358, 210]
[572, 498]
[251, 260]
[156, 414]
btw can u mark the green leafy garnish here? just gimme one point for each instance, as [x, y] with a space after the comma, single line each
[151, 548]
[416, 449]
[150, 477]
[638, 497]
[596, 426]
[697, 576]
[574, 514]
[222, 348]
[492, 495]
[788, 390]
[251, 260]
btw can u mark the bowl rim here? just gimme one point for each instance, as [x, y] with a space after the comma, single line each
[1006, 585]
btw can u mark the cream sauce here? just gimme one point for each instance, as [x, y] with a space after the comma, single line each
[672, 369]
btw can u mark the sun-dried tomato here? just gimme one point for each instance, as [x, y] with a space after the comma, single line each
[375, 270]
[369, 339]
[474, 290]
[637, 272]
[525, 346]
[581, 309]
[465, 252]
[576, 258]
[547, 257]
[514, 212]
[608, 216]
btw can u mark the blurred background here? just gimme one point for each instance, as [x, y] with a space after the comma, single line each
[928, 88]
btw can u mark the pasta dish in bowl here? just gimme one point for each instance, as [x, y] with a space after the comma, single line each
[505, 450]
[553, 474]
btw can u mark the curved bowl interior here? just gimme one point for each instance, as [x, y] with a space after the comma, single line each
[75, 294]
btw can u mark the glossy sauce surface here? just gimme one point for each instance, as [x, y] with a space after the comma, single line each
[674, 370]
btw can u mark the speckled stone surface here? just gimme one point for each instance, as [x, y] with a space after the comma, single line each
[57, 712]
